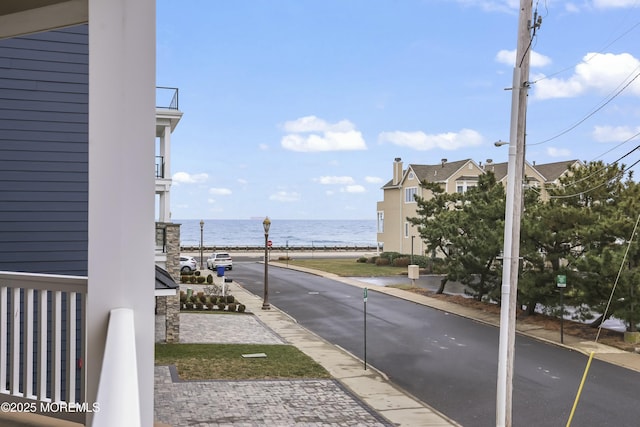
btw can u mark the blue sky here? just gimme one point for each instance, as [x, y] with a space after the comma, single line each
[296, 109]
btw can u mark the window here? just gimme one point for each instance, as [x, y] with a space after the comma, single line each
[406, 229]
[412, 176]
[464, 186]
[409, 194]
[381, 222]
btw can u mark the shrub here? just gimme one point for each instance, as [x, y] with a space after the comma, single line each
[232, 307]
[183, 297]
[362, 259]
[401, 261]
[189, 306]
[221, 305]
[197, 273]
[373, 260]
[209, 279]
[184, 278]
[193, 299]
[241, 308]
[201, 279]
[382, 261]
[192, 279]
[209, 305]
[199, 305]
[230, 299]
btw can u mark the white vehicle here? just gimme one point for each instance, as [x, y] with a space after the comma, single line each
[220, 259]
[188, 264]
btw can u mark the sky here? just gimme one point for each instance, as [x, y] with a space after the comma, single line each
[296, 109]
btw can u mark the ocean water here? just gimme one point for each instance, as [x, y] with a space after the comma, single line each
[220, 232]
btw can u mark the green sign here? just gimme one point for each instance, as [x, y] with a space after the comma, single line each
[561, 281]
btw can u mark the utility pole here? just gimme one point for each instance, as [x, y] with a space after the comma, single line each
[513, 214]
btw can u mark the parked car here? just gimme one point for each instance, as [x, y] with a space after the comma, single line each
[188, 264]
[220, 259]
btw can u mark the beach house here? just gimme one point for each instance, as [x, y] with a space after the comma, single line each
[396, 234]
[77, 244]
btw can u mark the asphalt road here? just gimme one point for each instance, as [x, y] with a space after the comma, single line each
[447, 361]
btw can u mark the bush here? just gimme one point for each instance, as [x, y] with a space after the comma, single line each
[401, 262]
[382, 261]
[373, 260]
[192, 279]
[221, 305]
[209, 279]
[362, 259]
[183, 297]
[209, 305]
[197, 273]
[199, 305]
[232, 307]
[230, 299]
[189, 306]
[201, 279]
[241, 308]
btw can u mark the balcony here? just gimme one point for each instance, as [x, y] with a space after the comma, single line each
[167, 98]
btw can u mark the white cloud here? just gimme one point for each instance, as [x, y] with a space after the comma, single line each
[329, 141]
[558, 152]
[187, 178]
[242, 181]
[220, 191]
[312, 134]
[373, 179]
[315, 124]
[603, 73]
[342, 180]
[614, 133]
[508, 57]
[353, 189]
[614, 4]
[263, 147]
[285, 196]
[423, 142]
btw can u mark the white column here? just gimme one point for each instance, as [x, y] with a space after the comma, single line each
[121, 184]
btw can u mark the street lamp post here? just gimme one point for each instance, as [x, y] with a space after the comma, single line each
[265, 302]
[201, 235]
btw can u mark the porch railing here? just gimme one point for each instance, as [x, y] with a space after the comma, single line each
[159, 166]
[167, 97]
[42, 343]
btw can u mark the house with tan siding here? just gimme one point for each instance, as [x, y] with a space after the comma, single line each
[396, 234]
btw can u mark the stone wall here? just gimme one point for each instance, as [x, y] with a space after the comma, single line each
[169, 306]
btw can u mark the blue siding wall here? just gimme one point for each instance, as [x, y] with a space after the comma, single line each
[44, 152]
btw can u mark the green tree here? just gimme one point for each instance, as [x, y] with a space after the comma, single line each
[466, 230]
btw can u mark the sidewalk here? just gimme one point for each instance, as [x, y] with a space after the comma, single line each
[354, 397]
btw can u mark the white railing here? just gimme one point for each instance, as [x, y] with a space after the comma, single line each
[118, 386]
[36, 372]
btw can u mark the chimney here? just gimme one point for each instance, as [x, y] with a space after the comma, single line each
[443, 162]
[397, 171]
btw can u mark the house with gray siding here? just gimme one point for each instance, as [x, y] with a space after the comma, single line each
[67, 230]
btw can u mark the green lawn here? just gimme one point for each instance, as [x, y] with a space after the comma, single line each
[225, 361]
[346, 267]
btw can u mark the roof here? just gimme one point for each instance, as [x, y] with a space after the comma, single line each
[437, 173]
[164, 282]
[553, 171]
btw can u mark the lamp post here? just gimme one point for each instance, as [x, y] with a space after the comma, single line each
[265, 302]
[201, 235]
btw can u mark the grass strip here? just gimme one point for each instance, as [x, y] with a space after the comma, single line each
[346, 267]
[225, 361]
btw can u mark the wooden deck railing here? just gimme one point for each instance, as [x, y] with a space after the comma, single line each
[42, 343]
